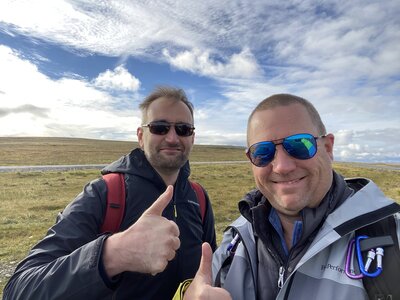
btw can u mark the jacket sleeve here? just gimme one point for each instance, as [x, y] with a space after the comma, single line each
[209, 225]
[65, 264]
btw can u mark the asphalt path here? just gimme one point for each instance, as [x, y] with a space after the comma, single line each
[44, 168]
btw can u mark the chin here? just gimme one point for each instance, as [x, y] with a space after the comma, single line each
[293, 205]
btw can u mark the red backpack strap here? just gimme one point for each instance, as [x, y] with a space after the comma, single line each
[115, 205]
[200, 197]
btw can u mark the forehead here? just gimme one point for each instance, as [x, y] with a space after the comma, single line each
[169, 110]
[279, 122]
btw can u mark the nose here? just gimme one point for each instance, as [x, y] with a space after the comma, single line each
[171, 136]
[282, 163]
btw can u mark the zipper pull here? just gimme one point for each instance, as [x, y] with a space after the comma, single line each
[281, 274]
[175, 212]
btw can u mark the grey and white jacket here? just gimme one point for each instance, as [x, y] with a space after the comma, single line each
[315, 268]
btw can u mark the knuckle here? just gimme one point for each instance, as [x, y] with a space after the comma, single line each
[159, 266]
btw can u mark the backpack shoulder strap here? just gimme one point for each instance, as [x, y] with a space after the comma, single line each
[386, 285]
[115, 206]
[200, 197]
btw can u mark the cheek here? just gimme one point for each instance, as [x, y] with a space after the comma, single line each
[260, 175]
[188, 142]
[324, 164]
[146, 140]
[321, 176]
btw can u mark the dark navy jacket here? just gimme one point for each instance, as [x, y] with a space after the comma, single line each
[66, 263]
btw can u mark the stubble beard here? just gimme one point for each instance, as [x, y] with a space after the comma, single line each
[167, 164]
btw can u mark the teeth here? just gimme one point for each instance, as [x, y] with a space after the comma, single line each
[293, 181]
[288, 182]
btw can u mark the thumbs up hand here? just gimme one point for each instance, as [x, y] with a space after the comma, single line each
[146, 246]
[201, 287]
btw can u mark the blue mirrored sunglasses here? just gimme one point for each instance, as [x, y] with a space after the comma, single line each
[300, 146]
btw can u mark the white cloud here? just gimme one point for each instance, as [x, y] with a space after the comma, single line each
[240, 65]
[367, 145]
[344, 137]
[119, 79]
[32, 104]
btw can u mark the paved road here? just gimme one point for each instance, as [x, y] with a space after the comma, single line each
[11, 169]
[389, 167]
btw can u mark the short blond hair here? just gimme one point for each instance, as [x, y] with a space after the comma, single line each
[288, 99]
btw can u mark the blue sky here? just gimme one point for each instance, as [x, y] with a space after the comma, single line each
[80, 68]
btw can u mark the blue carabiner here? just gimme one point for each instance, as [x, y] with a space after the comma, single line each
[378, 270]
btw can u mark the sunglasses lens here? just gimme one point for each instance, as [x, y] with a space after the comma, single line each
[300, 146]
[159, 128]
[184, 129]
[162, 128]
[261, 154]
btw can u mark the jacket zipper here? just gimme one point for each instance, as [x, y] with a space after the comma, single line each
[281, 277]
[175, 210]
[281, 272]
[282, 267]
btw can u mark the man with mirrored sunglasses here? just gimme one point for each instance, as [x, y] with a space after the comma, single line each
[293, 237]
[159, 240]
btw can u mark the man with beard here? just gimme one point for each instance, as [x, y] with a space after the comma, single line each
[159, 240]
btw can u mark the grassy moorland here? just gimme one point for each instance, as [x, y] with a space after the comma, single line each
[63, 151]
[30, 201]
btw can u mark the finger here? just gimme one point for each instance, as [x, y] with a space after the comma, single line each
[160, 267]
[176, 243]
[174, 229]
[171, 255]
[205, 268]
[161, 203]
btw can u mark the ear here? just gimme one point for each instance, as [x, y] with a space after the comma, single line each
[139, 133]
[329, 141]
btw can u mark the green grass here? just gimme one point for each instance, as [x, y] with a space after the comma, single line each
[30, 201]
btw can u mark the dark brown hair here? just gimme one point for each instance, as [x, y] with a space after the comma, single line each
[166, 92]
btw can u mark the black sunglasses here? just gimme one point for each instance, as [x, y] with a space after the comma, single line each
[163, 127]
[300, 146]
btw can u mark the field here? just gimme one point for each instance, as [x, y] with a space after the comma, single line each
[30, 201]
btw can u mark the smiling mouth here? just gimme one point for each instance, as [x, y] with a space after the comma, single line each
[294, 181]
[171, 149]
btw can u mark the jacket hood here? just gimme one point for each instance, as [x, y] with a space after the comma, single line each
[136, 163]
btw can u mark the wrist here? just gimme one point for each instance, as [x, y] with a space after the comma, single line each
[110, 257]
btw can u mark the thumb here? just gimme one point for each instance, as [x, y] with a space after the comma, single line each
[161, 203]
[205, 268]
